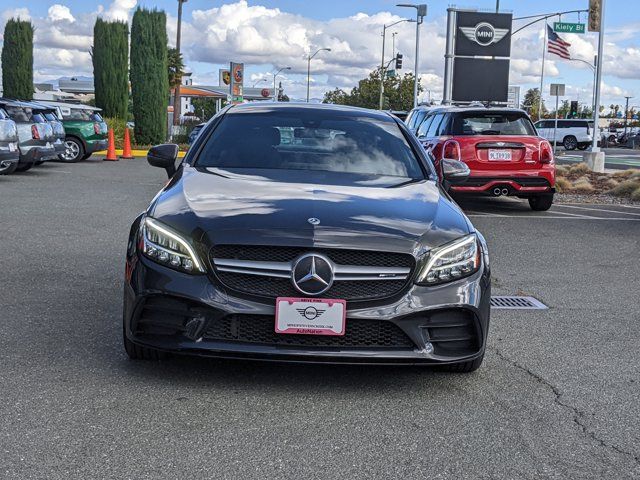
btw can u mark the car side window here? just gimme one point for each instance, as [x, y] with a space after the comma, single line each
[433, 126]
[443, 127]
[424, 126]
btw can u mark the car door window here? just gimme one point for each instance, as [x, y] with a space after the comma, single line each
[433, 126]
[424, 126]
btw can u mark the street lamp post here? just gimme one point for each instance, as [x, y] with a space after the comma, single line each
[626, 114]
[382, 69]
[258, 81]
[421, 12]
[177, 102]
[275, 93]
[309, 67]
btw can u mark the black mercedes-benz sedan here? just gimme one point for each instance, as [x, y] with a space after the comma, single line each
[308, 233]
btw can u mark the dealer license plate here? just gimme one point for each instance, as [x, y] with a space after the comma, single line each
[500, 155]
[310, 316]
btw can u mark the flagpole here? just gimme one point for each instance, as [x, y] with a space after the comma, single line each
[544, 51]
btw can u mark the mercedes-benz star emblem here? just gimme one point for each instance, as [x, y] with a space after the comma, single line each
[484, 34]
[313, 221]
[312, 274]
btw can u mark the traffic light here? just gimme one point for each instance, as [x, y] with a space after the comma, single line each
[573, 111]
[595, 10]
[398, 61]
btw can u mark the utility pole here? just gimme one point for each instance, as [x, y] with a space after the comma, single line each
[382, 69]
[626, 114]
[275, 91]
[177, 101]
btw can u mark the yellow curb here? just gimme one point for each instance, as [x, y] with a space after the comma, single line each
[135, 153]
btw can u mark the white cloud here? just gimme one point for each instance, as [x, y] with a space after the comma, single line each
[59, 13]
[119, 10]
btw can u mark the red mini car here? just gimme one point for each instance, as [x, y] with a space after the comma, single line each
[501, 148]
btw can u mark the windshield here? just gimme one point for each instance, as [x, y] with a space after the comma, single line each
[84, 115]
[492, 123]
[310, 140]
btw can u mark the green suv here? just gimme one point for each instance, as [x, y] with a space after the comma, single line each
[86, 131]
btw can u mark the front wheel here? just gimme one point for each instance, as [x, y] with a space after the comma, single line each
[8, 167]
[24, 167]
[570, 142]
[74, 150]
[583, 146]
[541, 203]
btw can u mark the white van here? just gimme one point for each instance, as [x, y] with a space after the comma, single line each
[572, 133]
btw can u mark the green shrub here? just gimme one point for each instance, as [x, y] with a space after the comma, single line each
[17, 59]
[119, 126]
[110, 56]
[635, 195]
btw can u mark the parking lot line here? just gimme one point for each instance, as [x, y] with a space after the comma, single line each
[559, 217]
[572, 214]
[599, 209]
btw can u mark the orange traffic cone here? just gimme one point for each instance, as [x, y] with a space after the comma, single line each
[111, 149]
[126, 149]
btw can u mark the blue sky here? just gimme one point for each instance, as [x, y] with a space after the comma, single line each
[280, 31]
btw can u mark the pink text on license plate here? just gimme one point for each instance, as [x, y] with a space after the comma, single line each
[310, 316]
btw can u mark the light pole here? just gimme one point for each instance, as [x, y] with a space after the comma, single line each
[275, 93]
[309, 67]
[382, 69]
[421, 12]
[258, 81]
[626, 114]
[177, 101]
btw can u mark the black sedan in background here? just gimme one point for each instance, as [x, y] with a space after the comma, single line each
[307, 233]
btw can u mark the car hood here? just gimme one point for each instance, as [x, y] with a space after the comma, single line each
[273, 207]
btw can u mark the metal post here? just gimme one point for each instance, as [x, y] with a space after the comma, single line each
[595, 73]
[544, 54]
[275, 95]
[177, 101]
[596, 113]
[448, 56]
[416, 73]
[555, 127]
[380, 102]
[308, 75]
[626, 114]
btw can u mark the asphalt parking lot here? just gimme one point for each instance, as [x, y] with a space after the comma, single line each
[557, 397]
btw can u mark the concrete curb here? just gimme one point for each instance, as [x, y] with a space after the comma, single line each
[135, 153]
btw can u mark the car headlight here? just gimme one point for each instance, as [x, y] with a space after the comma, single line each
[450, 262]
[164, 246]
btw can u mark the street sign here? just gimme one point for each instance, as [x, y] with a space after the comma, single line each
[568, 27]
[557, 90]
[236, 86]
[391, 73]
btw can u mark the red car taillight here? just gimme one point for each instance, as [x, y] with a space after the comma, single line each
[35, 134]
[451, 149]
[96, 128]
[546, 152]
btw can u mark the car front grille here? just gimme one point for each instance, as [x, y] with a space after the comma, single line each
[259, 329]
[264, 271]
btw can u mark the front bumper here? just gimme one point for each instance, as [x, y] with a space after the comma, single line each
[171, 311]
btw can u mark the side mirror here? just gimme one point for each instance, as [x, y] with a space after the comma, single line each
[164, 156]
[455, 171]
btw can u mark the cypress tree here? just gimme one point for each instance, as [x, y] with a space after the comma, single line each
[17, 60]
[110, 56]
[148, 74]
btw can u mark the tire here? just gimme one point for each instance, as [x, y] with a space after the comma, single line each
[24, 168]
[570, 142]
[8, 170]
[75, 150]
[86, 155]
[541, 203]
[39, 162]
[136, 352]
[465, 367]
[583, 146]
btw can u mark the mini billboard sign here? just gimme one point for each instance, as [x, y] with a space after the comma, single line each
[236, 85]
[483, 34]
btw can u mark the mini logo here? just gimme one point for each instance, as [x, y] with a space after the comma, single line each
[313, 221]
[312, 274]
[310, 313]
[484, 34]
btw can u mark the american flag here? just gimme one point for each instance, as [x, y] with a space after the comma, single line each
[556, 45]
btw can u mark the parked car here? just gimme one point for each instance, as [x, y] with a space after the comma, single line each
[571, 133]
[347, 249]
[50, 114]
[195, 132]
[501, 147]
[416, 117]
[35, 135]
[9, 154]
[86, 131]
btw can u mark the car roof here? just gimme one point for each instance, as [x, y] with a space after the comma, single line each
[80, 106]
[301, 107]
[14, 103]
[476, 109]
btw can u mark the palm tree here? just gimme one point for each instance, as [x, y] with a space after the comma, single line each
[176, 67]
